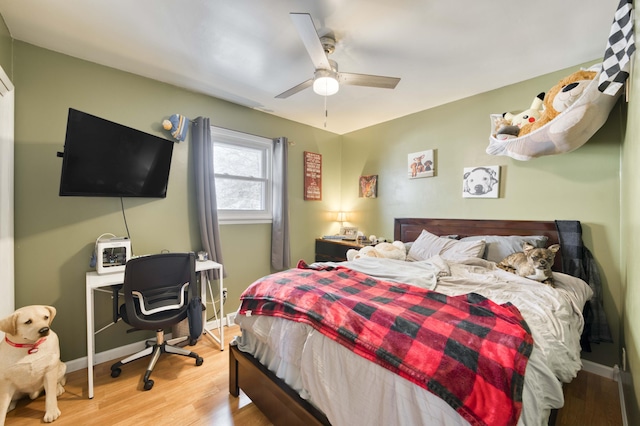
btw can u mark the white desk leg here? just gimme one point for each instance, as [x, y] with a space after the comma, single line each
[90, 340]
[204, 284]
[220, 326]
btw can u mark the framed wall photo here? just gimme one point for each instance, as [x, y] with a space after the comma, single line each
[312, 176]
[368, 186]
[481, 182]
[421, 164]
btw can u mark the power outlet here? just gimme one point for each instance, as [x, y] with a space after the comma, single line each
[224, 295]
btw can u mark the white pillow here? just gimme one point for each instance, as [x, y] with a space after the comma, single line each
[428, 245]
[498, 247]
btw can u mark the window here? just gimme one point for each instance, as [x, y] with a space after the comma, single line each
[242, 165]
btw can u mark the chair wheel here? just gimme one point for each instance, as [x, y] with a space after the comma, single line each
[199, 361]
[148, 385]
[115, 372]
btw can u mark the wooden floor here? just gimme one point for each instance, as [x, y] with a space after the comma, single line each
[590, 400]
[184, 394]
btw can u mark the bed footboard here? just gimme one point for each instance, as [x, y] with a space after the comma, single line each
[281, 404]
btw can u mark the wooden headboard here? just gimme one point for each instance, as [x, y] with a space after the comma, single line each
[408, 229]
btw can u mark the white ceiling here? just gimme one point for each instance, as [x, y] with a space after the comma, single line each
[248, 51]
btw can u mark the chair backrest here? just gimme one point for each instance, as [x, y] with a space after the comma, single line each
[161, 285]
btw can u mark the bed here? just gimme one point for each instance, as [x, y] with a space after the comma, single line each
[297, 375]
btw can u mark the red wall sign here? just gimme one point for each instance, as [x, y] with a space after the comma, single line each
[312, 176]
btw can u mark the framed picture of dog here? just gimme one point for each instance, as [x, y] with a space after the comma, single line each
[481, 182]
[421, 164]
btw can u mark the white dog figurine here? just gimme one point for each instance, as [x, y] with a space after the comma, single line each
[30, 360]
[479, 181]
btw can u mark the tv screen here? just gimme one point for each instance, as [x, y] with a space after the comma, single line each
[105, 159]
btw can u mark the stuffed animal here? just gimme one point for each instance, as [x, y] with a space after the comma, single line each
[508, 125]
[177, 124]
[395, 250]
[375, 240]
[528, 115]
[560, 97]
[504, 128]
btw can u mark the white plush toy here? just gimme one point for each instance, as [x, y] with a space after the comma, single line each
[528, 115]
[508, 125]
[395, 250]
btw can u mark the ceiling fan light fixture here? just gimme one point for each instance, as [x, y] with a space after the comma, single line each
[326, 83]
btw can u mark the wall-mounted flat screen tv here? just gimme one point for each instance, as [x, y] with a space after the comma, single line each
[105, 159]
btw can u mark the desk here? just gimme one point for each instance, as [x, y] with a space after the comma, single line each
[95, 282]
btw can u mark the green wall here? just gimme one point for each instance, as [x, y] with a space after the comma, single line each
[630, 227]
[55, 236]
[5, 48]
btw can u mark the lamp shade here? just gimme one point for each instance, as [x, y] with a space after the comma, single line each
[326, 83]
[342, 217]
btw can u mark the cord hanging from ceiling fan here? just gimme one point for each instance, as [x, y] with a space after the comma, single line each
[326, 112]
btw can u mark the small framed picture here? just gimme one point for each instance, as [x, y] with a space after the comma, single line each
[349, 232]
[481, 182]
[421, 164]
[368, 186]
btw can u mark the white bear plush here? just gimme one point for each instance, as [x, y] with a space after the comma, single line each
[395, 250]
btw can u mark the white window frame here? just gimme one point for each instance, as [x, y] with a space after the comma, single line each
[220, 135]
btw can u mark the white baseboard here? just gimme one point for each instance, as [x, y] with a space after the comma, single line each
[112, 354]
[231, 318]
[612, 373]
[599, 369]
[123, 351]
[213, 325]
[623, 407]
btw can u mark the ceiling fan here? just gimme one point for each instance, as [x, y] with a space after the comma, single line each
[326, 80]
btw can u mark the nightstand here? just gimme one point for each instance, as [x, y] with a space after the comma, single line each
[334, 250]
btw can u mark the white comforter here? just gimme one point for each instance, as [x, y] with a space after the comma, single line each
[351, 390]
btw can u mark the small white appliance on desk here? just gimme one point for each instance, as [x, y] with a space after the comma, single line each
[112, 254]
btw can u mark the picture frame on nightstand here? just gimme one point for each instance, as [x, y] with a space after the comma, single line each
[349, 232]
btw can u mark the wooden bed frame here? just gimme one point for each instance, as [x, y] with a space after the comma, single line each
[407, 230]
[281, 404]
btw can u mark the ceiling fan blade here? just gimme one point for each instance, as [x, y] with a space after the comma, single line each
[368, 80]
[300, 87]
[308, 34]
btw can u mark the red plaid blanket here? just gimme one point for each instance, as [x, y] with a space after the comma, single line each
[467, 350]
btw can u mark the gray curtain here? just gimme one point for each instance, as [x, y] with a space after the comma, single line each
[280, 250]
[202, 148]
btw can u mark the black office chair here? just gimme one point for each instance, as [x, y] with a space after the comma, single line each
[157, 290]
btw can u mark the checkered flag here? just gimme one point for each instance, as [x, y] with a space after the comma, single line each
[620, 48]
